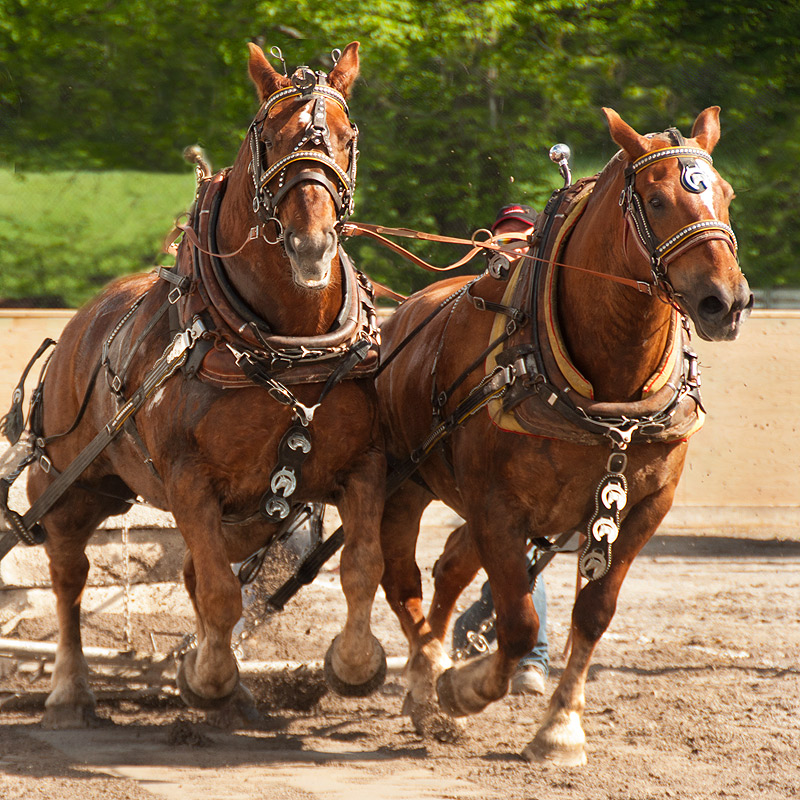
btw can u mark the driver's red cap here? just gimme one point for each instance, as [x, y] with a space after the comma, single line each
[515, 211]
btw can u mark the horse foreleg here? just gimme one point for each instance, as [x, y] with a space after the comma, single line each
[355, 664]
[560, 739]
[208, 674]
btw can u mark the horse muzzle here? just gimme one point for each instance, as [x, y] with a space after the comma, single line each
[311, 256]
[719, 312]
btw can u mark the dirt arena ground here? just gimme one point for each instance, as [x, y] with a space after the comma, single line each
[694, 693]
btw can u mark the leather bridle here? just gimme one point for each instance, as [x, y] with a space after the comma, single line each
[661, 254]
[306, 86]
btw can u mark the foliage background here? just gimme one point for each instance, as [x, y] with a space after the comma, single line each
[458, 104]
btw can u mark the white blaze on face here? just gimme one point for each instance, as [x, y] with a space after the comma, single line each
[305, 115]
[707, 196]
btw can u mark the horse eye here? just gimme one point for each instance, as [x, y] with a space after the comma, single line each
[655, 202]
[268, 144]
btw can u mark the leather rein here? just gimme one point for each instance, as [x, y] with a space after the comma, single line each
[491, 244]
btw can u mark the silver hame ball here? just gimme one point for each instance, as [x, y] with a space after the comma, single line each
[559, 153]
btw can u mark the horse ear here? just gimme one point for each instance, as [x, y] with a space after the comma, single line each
[626, 137]
[345, 72]
[262, 74]
[706, 128]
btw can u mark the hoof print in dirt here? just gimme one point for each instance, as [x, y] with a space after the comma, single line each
[298, 689]
[184, 732]
[431, 722]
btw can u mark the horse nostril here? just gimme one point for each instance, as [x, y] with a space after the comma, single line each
[711, 306]
[289, 242]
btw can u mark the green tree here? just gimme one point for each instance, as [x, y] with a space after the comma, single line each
[458, 103]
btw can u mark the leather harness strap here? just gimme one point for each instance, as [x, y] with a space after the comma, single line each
[164, 367]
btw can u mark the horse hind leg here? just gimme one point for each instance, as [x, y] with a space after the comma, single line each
[402, 584]
[453, 572]
[355, 664]
[470, 686]
[71, 702]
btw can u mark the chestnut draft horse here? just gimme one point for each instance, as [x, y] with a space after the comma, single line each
[591, 390]
[261, 335]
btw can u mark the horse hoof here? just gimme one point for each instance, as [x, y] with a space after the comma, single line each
[572, 756]
[190, 697]
[560, 742]
[431, 722]
[63, 717]
[453, 701]
[364, 688]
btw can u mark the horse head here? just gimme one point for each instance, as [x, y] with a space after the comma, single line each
[304, 151]
[676, 205]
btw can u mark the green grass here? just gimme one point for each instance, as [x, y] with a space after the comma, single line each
[64, 235]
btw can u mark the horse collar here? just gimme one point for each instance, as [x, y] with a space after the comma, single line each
[244, 337]
[547, 397]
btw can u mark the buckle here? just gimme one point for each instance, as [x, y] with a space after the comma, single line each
[278, 362]
[521, 366]
[653, 428]
[509, 375]
[45, 463]
[175, 295]
[116, 384]
[617, 462]
[197, 329]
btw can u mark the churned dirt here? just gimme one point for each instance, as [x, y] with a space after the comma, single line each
[694, 693]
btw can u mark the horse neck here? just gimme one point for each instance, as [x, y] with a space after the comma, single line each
[262, 273]
[615, 335]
